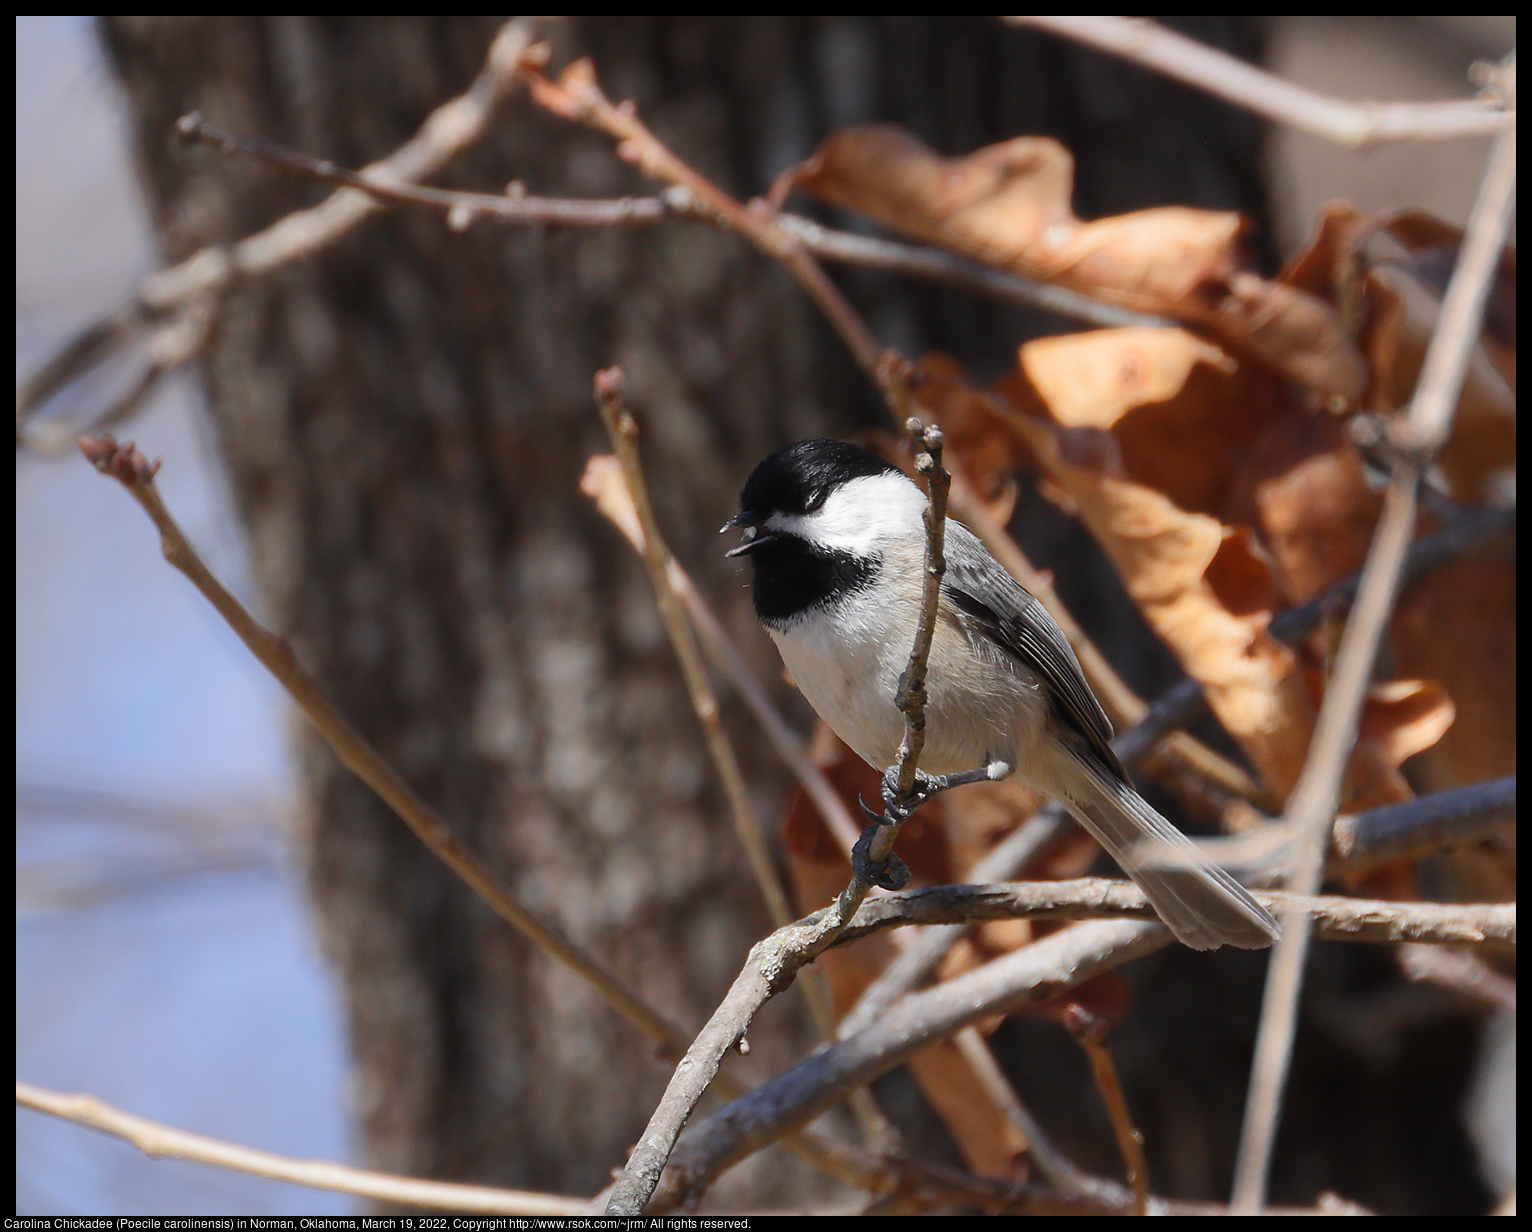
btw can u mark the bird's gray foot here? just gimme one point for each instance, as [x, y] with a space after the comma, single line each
[891, 873]
[929, 785]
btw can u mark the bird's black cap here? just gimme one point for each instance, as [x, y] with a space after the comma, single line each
[798, 477]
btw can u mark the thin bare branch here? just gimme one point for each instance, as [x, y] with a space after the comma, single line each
[603, 482]
[1460, 971]
[875, 253]
[203, 277]
[877, 841]
[1422, 826]
[623, 431]
[1312, 806]
[461, 208]
[1040, 971]
[1336, 918]
[170, 346]
[1090, 1032]
[161, 1141]
[1042, 1152]
[465, 208]
[1355, 125]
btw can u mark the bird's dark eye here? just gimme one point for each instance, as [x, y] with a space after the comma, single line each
[816, 499]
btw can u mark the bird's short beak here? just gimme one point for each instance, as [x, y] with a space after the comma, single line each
[751, 521]
[748, 517]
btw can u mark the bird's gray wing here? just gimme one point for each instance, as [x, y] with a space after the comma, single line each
[985, 594]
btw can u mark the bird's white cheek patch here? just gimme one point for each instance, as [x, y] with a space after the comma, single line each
[861, 516]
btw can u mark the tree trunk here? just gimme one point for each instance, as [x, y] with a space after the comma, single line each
[406, 418]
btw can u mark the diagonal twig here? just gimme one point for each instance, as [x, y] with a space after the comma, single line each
[1356, 125]
[603, 482]
[1090, 1033]
[129, 467]
[1042, 1152]
[623, 431]
[1420, 435]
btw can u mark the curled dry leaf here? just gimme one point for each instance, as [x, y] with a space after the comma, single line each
[1206, 592]
[1304, 487]
[988, 452]
[1433, 247]
[1329, 268]
[1154, 402]
[1405, 717]
[1009, 206]
[1155, 438]
[1393, 336]
[1399, 719]
[1117, 416]
[1457, 625]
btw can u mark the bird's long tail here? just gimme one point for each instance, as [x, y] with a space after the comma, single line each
[1202, 904]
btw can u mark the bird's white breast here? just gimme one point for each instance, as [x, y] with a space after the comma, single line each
[846, 658]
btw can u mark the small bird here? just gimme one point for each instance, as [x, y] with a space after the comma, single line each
[837, 541]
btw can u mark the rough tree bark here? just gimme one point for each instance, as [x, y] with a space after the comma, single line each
[405, 420]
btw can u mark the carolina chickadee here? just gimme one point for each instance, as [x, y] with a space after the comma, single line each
[836, 537]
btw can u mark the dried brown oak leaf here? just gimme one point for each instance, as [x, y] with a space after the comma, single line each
[1121, 418]
[1458, 626]
[1393, 334]
[1205, 583]
[1009, 205]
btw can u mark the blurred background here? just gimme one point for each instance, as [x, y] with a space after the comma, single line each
[168, 955]
[165, 959]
